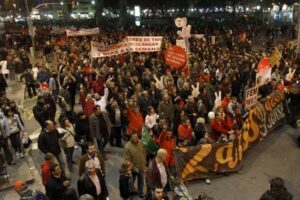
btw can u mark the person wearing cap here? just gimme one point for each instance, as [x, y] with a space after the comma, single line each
[26, 194]
[136, 154]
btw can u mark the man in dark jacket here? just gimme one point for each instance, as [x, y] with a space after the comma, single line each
[41, 111]
[156, 173]
[82, 129]
[58, 186]
[92, 182]
[100, 127]
[48, 141]
[94, 155]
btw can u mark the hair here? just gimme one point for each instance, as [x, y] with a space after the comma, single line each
[161, 152]
[47, 123]
[96, 106]
[90, 163]
[49, 156]
[278, 190]
[89, 144]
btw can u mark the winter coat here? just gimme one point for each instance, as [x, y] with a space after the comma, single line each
[95, 129]
[48, 142]
[169, 145]
[166, 110]
[135, 122]
[136, 154]
[125, 185]
[85, 158]
[87, 105]
[40, 113]
[86, 186]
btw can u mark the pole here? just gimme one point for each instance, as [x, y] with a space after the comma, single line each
[30, 30]
[298, 23]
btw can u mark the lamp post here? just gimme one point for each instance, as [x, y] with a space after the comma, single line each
[31, 32]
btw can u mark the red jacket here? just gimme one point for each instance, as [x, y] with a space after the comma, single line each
[184, 132]
[169, 146]
[219, 127]
[97, 86]
[87, 105]
[45, 171]
[136, 121]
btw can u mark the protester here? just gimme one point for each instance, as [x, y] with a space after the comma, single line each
[67, 141]
[157, 172]
[82, 129]
[136, 154]
[92, 154]
[41, 111]
[100, 127]
[58, 186]
[92, 182]
[48, 141]
[15, 128]
[126, 181]
[45, 167]
[277, 191]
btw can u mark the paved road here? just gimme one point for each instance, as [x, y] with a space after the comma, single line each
[277, 155]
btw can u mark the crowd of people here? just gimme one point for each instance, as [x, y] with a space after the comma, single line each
[122, 98]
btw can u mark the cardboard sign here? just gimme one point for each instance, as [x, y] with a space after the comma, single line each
[251, 97]
[129, 44]
[175, 57]
[82, 32]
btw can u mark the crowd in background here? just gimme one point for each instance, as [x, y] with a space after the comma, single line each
[123, 97]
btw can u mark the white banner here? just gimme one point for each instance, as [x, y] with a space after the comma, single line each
[181, 43]
[251, 97]
[129, 44]
[82, 32]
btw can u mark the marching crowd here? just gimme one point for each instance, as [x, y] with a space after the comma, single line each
[123, 98]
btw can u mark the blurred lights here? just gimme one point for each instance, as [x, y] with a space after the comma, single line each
[93, 2]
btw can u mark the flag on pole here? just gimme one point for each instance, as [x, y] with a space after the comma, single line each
[275, 58]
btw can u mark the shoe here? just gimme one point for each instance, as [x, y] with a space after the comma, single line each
[207, 181]
[21, 155]
[141, 196]
[17, 155]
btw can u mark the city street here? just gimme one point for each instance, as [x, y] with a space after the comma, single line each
[277, 155]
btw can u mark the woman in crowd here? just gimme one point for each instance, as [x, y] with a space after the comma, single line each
[67, 141]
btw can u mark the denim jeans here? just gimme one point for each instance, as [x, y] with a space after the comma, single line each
[140, 179]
